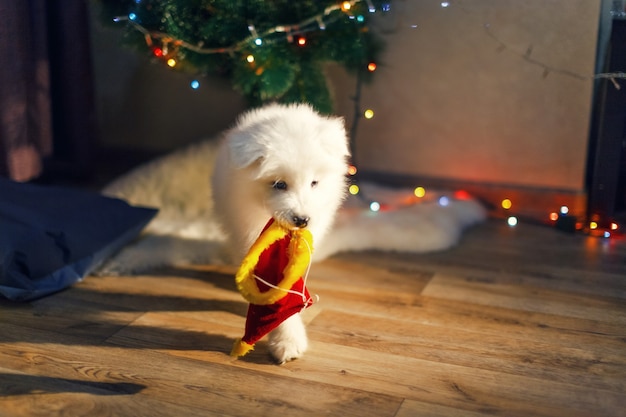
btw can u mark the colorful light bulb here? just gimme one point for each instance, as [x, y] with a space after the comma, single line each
[462, 195]
[419, 192]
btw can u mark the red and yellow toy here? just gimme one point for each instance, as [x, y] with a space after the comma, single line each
[271, 279]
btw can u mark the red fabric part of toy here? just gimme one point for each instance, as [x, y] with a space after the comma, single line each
[272, 261]
[262, 319]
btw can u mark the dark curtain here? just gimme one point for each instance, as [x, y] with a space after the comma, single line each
[25, 112]
[47, 116]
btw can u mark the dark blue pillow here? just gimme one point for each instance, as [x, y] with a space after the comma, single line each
[52, 237]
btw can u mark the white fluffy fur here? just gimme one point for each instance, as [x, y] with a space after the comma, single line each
[303, 151]
[293, 144]
[186, 231]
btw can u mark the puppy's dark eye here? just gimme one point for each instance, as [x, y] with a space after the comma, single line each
[314, 184]
[279, 185]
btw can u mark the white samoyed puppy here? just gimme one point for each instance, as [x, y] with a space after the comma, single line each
[287, 162]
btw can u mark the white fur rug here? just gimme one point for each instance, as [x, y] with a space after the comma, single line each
[184, 231]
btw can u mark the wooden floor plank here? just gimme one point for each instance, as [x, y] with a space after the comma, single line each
[410, 408]
[454, 314]
[460, 387]
[93, 321]
[396, 365]
[30, 395]
[526, 298]
[587, 364]
[217, 388]
[342, 274]
[558, 278]
[511, 322]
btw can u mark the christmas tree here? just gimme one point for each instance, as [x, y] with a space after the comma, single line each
[271, 50]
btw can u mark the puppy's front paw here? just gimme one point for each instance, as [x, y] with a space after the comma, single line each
[286, 350]
[289, 340]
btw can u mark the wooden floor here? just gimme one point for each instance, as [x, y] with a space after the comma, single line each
[513, 322]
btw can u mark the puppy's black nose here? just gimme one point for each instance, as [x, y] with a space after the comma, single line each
[300, 221]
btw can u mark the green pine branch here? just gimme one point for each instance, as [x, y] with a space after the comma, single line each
[281, 69]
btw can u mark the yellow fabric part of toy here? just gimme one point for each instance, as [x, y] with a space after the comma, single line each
[300, 250]
[240, 348]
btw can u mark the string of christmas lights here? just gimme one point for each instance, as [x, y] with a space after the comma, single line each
[560, 218]
[310, 24]
[249, 42]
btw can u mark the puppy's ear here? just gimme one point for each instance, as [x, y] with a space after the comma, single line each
[333, 137]
[244, 151]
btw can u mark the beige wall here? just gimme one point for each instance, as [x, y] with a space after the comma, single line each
[454, 99]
